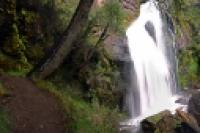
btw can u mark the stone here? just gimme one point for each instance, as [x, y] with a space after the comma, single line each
[188, 122]
[117, 47]
[194, 106]
[165, 122]
[149, 125]
[185, 128]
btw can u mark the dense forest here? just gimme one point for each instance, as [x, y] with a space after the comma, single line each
[66, 49]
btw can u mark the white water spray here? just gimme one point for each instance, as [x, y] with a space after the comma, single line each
[152, 65]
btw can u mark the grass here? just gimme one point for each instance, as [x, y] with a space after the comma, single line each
[4, 119]
[20, 73]
[83, 117]
[4, 122]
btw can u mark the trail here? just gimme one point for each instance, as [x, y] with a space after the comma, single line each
[31, 109]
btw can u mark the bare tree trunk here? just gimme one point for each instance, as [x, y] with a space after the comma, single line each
[71, 34]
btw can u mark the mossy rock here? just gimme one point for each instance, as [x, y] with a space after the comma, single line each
[167, 124]
[150, 123]
[156, 118]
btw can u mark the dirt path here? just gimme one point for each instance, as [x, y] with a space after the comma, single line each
[32, 110]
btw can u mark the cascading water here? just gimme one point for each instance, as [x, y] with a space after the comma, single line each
[153, 65]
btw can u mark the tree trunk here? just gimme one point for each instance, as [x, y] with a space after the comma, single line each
[71, 34]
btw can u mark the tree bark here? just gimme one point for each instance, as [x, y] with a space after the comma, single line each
[71, 34]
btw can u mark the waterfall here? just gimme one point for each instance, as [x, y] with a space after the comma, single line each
[151, 47]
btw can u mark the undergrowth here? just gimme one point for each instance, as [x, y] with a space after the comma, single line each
[83, 117]
[4, 122]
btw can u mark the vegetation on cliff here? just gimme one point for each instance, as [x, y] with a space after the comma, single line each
[187, 21]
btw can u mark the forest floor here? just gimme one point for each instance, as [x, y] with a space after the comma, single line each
[31, 110]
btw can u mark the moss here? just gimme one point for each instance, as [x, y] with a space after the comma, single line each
[156, 118]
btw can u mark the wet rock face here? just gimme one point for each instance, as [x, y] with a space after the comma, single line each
[132, 5]
[151, 30]
[194, 106]
[118, 48]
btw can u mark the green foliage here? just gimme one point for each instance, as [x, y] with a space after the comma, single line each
[33, 34]
[82, 116]
[13, 44]
[13, 57]
[29, 16]
[90, 63]
[110, 13]
[4, 122]
[63, 12]
[14, 66]
[95, 70]
[186, 16]
[189, 68]
[66, 10]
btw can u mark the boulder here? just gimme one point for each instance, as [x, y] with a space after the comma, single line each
[185, 128]
[188, 123]
[194, 106]
[149, 124]
[148, 127]
[165, 122]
